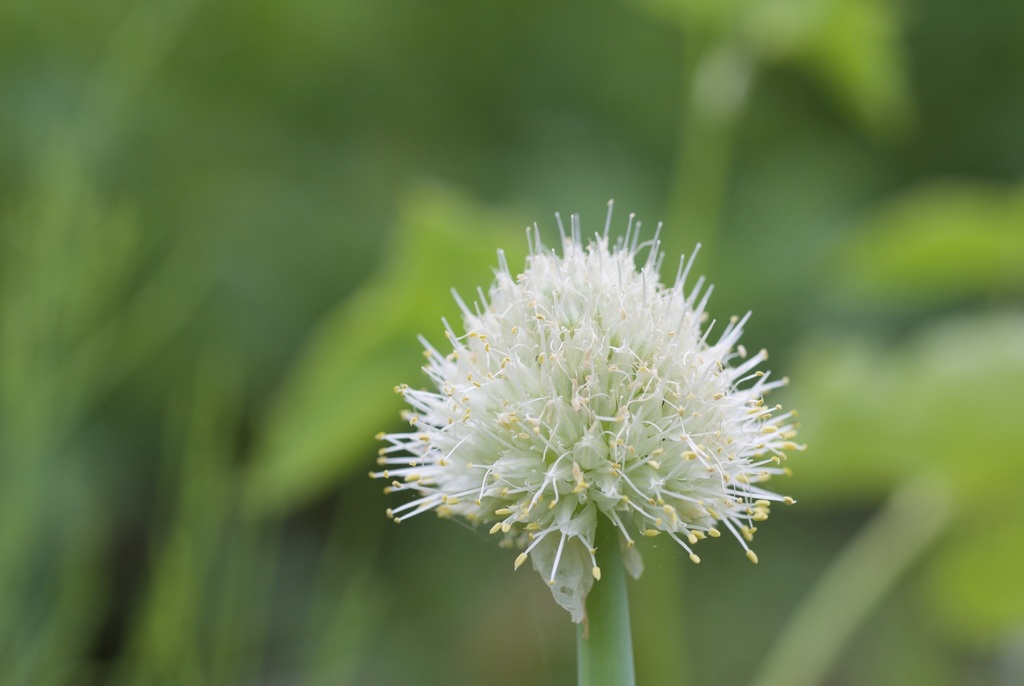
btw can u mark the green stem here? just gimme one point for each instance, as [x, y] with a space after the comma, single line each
[914, 517]
[604, 648]
[707, 139]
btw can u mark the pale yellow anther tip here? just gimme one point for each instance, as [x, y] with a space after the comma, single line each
[714, 533]
[596, 571]
[505, 527]
[520, 560]
[752, 556]
[496, 528]
[380, 436]
[694, 559]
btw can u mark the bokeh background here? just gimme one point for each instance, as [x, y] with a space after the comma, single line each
[223, 223]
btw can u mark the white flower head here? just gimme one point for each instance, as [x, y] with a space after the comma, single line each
[585, 388]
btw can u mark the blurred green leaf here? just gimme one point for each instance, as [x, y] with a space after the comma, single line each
[966, 379]
[946, 401]
[945, 404]
[852, 47]
[343, 630]
[942, 242]
[972, 586]
[340, 392]
[845, 391]
[174, 638]
[78, 313]
[706, 15]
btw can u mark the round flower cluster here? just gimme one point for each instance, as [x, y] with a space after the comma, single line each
[585, 388]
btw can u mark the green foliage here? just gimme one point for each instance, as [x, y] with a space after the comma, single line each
[177, 635]
[344, 380]
[937, 405]
[852, 47]
[911, 402]
[77, 317]
[972, 588]
[218, 245]
[940, 243]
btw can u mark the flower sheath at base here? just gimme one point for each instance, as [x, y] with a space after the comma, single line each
[584, 388]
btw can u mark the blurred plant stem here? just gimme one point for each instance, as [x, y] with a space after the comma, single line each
[716, 80]
[912, 519]
[344, 624]
[604, 647]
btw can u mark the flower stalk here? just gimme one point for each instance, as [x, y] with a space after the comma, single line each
[604, 647]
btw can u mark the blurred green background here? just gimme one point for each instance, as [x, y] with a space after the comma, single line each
[223, 224]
